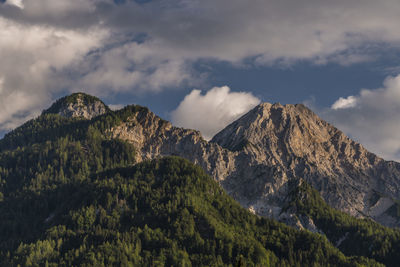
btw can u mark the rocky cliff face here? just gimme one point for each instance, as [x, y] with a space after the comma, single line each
[78, 109]
[154, 137]
[295, 143]
[256, 156]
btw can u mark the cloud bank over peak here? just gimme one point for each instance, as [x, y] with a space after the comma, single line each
[372, 117]
[213, 111]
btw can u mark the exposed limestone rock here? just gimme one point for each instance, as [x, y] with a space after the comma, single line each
[78, 105]
[382, 205]
[154, 137]
[300, 222]
[90, 111]
[256, 156]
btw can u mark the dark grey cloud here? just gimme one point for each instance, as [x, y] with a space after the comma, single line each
[230, 30]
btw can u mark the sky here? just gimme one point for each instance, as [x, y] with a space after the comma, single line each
[202, 64]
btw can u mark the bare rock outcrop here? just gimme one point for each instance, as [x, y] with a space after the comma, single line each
[78, 105]
[154, 137]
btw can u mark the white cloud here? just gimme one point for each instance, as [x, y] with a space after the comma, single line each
[30, 58]
[372, 118]
[143, 67]
[348, 102]
[211, 112]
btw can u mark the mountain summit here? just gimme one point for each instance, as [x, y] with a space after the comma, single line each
[78, 105]
[285, 142]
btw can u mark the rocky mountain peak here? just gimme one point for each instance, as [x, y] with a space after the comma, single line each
[285, 142]
[287, 132]
[78, 105]
[272, 121]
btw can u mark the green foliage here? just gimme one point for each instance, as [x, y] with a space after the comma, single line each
[361, 237]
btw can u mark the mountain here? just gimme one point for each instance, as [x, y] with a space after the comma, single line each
[72, 195]
[59, 171]
[256, 156]
[282, 143]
